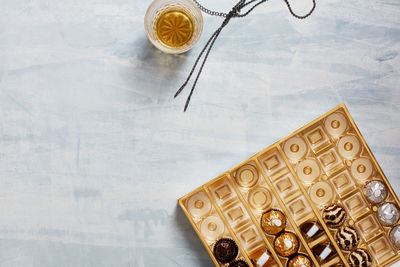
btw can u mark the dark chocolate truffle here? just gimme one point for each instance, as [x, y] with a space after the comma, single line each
[225, 250]
[359, 258]
[324, 252]
[239, 263]
[286, 244]
[273, 221]
[299, 260]
[334, 215]
[347, 238]
[311, 229]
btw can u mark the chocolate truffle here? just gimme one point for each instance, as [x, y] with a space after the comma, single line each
[311, 229]
[388, 214]
[239, 263]
[347, 238]
[334, 215]
[273, 221]
[286, 244]
[324, 252]
[225, 250]
[359, 258]
[299, 260]
[375, 191]
[394, 236]
[261, 258]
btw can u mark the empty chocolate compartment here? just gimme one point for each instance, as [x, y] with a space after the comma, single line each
[335, 168]
[208, 223]
[292, 195]
[338, 204]
[235, 211]
[252, 186]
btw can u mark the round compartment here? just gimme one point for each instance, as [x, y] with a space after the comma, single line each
[308, 170]
[349, 147]
[335, 124]
[199, 205]
[212, 228]
[295, 149]
[362, 169]
[247, 176]
[260, 198]
[321, 193]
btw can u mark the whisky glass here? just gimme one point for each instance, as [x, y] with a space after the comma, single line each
[173, 26]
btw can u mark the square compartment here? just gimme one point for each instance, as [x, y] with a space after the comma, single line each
[343, 183]
[355, 204]
[236, 215]
[316, 138]
[249, 236]
[330, 160]
[381, 249]
[368, 227]
[222, 191]
[286, 186]
[272, 162]
[299, 208]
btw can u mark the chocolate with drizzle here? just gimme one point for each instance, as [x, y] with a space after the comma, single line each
[347, 238]
[360, 258]
[334, 215]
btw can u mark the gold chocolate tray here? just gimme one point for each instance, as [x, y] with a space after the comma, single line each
[325, 163]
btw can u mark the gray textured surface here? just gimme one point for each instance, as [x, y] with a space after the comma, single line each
[94, 152]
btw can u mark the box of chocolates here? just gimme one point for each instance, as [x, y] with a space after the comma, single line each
[315, 198]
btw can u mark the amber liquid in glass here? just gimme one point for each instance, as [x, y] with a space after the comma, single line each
[174, 27]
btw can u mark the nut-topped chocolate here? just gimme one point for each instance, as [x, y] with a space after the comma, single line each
[359, 258]
[225, 250]
[286, 244]
[347, 238]
[273, 221]
[334, 215]
[299, 260]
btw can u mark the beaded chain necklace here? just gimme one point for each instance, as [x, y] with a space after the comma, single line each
[236, 12]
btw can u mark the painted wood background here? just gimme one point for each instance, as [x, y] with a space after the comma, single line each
[94, 150]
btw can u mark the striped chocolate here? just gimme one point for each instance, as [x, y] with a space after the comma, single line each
[359, 258]
[347, 238]
[334, 215]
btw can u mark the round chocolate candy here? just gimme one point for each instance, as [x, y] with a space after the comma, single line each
[359, 258]
[324, 252]
[388, 214]
[347, 238]
[286, 244]
[239, 263]
[394, 236]
[273, 221]
[311, 229]
[225, 250]
[334, 215]
[299, 260]
[375, 192]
